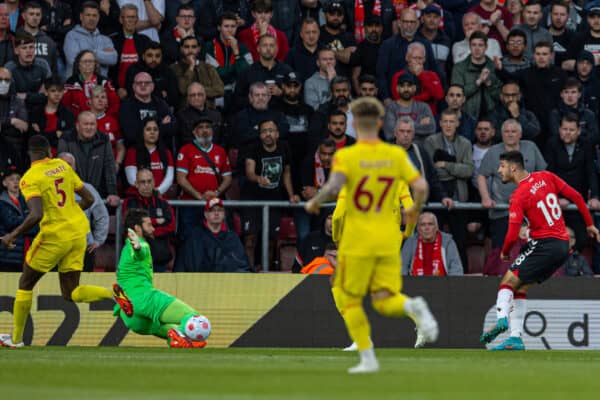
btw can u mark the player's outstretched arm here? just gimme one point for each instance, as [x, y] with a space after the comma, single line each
[87, 198]
[35, 215]
[329, 191]
[573, 195]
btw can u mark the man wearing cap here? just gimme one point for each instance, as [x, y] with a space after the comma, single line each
[392, 53]
[587, 40]
[432, 30]
[562, 35]
[335, 37]
[212, 246]
[362, 60]
[584, 71]
[317, 87]
[405, 105]
[196, 108]
[302, 57]
[297, 114]
[203, 172]
[13, 210]
[161, 214]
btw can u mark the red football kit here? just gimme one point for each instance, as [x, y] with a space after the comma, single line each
[536, 198]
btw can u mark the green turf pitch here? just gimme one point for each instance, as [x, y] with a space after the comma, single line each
[149, 373]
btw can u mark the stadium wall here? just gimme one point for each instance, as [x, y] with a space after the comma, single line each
[284, 310]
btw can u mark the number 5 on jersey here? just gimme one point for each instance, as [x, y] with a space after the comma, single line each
[364, 199]
[61, 193]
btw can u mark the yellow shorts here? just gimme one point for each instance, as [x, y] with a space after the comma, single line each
[42, 256]
[358, 275]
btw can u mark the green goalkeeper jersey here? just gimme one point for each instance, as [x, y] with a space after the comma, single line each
[135, 273]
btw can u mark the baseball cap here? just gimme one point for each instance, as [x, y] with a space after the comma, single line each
[291, 77]
[203, 118]
[334, 6]
[9, 170]
[215, 201]
[431, 9]
[586, 56]
[593, 7]
[407, 77]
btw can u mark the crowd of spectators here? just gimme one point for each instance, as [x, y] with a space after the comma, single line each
[154, 100]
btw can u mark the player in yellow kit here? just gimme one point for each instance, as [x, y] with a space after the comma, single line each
[49, 187]
[369, 252]
[402, 200]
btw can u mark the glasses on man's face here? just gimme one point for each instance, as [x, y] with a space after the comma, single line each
[195, 94]
[516, 43]
[143, 83]
[408, 21]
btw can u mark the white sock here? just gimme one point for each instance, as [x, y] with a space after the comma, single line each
[504, 302]
[368, 355]
[517, 316]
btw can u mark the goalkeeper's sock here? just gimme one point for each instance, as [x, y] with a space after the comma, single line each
[90, 293]
[21, 309]
[392, 306]
[517, 316]
[358, 325]
[504, 301]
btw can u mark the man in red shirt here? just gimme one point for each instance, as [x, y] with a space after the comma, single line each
[262, 12]
[497, 20]
[537, 199]
[203, 172]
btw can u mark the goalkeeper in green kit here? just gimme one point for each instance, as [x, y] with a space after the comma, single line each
[144, 309]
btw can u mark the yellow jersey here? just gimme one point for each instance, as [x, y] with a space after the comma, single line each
[403, 199]
[55, 182]
[374, 172]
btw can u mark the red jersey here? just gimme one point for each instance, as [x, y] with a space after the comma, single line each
[485, 19]
[536, 198]
[129, 56]
[197, 170]
[108, 125]
[156, 165]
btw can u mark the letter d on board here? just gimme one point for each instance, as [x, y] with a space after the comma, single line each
[584, 341]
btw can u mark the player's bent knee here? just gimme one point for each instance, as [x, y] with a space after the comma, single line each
[381, 295]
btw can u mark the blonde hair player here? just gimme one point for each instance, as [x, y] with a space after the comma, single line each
[369, 252]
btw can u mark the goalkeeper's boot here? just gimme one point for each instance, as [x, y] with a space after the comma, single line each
[178, 340]
[491, 334]
[427, 326]
[122, 300]
[6, 341]
[199, 345]
[512, 343]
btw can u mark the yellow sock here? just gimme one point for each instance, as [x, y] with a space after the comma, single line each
[89, 294]
[21, 310]
[392, 306]
[337, 298]
[357, 324]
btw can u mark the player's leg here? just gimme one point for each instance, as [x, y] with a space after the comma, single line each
[504, 302]
[517, 317]
[337, 299]
[388, 300]
[69, 268]
[22, 306]
[352, 278]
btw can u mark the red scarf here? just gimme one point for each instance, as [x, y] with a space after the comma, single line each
[220, 54]
[319, 172]
[256, 33]
[359, 18]
[88, 85]
[437, 267]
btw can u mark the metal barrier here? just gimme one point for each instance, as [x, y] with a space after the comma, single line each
[266, 205]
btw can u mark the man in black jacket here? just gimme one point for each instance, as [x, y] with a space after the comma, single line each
[571, 157]
[94, 158]
[212, 247]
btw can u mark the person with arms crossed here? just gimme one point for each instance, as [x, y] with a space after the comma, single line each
[535, 198]
[369, 171]
[49, 188]
[143, 308]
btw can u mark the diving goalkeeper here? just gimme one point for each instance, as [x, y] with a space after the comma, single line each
[144, 309]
